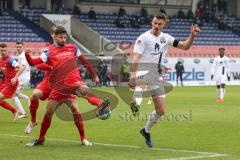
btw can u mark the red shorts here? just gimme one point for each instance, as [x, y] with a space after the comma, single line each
[44, 87]
[8, 90]
[61, 97]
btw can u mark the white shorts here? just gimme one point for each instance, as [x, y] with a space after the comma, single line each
[22, 83]
[221, 79]
[152, 80]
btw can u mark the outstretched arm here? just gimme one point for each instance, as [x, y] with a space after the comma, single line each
[44, 67]
[32, 61]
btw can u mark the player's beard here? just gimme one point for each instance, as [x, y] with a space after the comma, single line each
[61, 44]
[156, 31]
[3, 55]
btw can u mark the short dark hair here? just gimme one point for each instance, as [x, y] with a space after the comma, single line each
[59, 30]
[3, 45]
[221, 49]
[161, 15]
[19, 42]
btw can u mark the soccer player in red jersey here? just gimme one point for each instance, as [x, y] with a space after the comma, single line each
[8, 66]
[64, 80]
[42, 92]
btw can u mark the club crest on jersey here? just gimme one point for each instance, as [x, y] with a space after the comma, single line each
[162, 40]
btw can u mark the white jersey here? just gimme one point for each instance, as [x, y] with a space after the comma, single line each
[220, 69]
[220, 66]
[24, 78]
[153, 49]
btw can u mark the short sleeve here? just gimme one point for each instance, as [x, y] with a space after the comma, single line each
[170, 39]
[44, 54]
[78, 52]
[139, 45]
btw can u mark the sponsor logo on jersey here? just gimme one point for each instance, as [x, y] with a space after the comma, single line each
[63, 55]
[157, 47]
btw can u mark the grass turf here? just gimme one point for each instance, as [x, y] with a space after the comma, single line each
[193, 121]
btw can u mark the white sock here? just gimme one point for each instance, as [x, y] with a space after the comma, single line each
[18, 105]
[221, 93]
[137, 96]
[224, 91]
[151, 121]
[22, 96]
[218, 93]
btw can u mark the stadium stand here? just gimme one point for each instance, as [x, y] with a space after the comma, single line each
[33, 13]
[205, 45]
[179, 28]
[14, 27]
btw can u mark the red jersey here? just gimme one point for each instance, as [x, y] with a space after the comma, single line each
[65, 72]
[8, 67]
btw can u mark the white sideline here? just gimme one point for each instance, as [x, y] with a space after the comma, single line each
[203, 154]
[194, 157]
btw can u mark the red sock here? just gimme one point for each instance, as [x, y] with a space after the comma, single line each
[33, 109]
[79, 124]
[94, 100]
[7, 106]
[46, 122]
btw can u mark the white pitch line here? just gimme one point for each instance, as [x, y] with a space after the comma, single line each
[205, 154]
[203, 105]
[186, 151]
[195, 157]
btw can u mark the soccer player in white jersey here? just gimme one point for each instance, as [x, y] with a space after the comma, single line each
[149, 51]
[220, 70]
[24, 79]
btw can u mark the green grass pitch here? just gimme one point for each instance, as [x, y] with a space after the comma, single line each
[195, 127]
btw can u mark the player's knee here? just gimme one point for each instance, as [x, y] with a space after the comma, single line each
[74, 109]
[223, 85]
[49, 114]
[36, 95]
[83, 90]
[160, 112]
